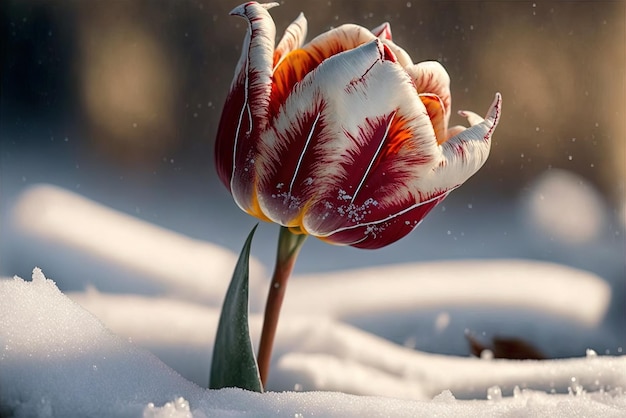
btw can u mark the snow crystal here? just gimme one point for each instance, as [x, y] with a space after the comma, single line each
[179, 408]
[575, 388]
[355, 213]
[494, 393]
[444, 397]
[343, 195]
[289, 200]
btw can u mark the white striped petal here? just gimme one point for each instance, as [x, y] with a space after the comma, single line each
[319, 91]
[257, 53]
[352, 91]
[253, 80]
[384, 89]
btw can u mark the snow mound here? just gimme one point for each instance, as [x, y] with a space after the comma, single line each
[58, 360]
[63, 224]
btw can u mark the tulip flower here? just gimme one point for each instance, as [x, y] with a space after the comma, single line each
[343, 138]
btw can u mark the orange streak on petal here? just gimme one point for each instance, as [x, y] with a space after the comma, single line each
[397, 137]
[299, 62]
[436, 112]
[277, 56]
[292, 69]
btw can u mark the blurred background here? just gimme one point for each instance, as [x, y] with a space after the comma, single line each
[119, 101]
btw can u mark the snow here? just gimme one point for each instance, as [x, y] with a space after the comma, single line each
[119, 239]
[59, 360]
[377, 341]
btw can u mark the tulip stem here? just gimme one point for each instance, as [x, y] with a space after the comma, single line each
[289, 245]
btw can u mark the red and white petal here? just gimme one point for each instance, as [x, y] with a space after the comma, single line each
[256, 62]
[309, 125]
[464, 153]
[292, 39]
[431, 78]
[245, 112]
[362, 135]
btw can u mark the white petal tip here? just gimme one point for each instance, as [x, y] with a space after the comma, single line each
[241, 9]
[269, 5]
[494, 111]
[382, 31]
[493, 114]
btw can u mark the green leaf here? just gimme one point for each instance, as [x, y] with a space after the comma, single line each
[234, 363]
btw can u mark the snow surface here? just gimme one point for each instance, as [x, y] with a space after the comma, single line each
[350, 343]
[59, 360]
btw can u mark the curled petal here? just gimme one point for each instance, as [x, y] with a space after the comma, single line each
[431, 78]
[245, 111]
[467, 151]
[292, 39]
[254, 69]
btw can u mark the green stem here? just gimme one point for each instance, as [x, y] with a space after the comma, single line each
[289, 245]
